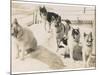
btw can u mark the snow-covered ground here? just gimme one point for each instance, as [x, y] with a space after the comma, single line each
[34, 65]
[31, 64]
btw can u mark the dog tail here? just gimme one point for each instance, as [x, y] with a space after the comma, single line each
[30, 50]
[48, 57]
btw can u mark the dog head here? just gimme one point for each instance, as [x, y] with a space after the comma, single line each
[76, 34]
[68, 21]
[88, 39]
[15, 28]
[43, 12]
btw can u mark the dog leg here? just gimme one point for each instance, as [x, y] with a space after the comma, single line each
[84, 59]
[22, 53]
[45, 25]
[57, 46]
[58, 42]
[18, 52]
[71, 54]
[86, 63]
[49, 28]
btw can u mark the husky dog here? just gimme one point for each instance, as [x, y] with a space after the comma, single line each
[25, 39]
[62, 32]
[87, 48]
[49, 17]
[73, 41]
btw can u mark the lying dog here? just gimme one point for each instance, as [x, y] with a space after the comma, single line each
[49, 17]
[87, 49]
[73, 42]
[25, 39]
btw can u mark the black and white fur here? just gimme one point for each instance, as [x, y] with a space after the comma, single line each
[49, 17]
[73, 40]
[62, 30]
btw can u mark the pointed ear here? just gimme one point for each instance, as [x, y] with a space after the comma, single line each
[78, 30]
[84, 34]
[59, 18]
[15, 21]
[43, 6]
[69, 22]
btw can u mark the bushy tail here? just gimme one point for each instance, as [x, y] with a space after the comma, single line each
[48, 57]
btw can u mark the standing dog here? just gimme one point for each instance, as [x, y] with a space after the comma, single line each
[25, 39]
[87, 48]
[73, 41]
[49, 17]
[62, 32]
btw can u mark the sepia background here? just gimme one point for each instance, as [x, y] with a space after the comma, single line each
[84, 16]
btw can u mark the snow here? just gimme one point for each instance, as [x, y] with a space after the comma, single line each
[46, 40]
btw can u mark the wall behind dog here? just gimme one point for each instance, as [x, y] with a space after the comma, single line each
[5, 37]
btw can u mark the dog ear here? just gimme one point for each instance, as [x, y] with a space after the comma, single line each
[78, 29]
[85, 34]
[15, 21]
[59, 18]
[40, 7]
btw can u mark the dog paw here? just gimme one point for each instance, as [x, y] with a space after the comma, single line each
[72, 61]
[84, 65]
